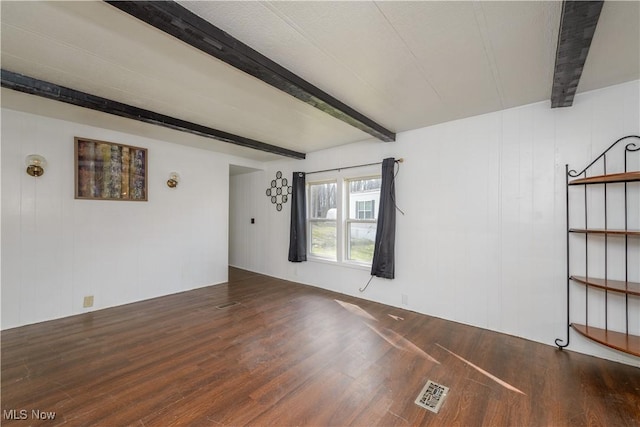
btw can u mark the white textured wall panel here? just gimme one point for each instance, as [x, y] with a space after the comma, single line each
[56, 250]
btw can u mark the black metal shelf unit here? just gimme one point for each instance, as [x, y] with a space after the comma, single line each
[603, 240]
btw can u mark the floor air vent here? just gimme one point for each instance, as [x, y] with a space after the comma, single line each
[432, 396]
[227, 305]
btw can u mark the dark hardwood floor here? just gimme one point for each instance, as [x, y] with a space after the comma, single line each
[289, 354]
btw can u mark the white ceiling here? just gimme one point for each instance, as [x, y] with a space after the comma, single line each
[403, 64]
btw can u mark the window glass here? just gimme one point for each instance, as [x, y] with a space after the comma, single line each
[323, 239]
[363, 197]
[322, 219]
[322, 200]
[362, 238]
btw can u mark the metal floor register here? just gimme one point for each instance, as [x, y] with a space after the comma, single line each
[432, 396]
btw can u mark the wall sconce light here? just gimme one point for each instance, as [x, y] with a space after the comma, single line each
[174, 178]
[35, 164]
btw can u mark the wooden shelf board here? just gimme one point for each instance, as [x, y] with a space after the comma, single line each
[602, 231]
[608, 179]
[620, 341]
[631, 288]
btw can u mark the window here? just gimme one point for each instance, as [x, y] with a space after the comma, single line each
[343, 219]
[361, 223]
[322, 220]
[364, 209]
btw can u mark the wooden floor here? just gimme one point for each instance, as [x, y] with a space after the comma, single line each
[289, 354]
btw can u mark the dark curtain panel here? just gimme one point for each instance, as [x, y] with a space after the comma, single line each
[298, 232]
[383, 264]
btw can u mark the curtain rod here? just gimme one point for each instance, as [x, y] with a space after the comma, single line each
[400, 160]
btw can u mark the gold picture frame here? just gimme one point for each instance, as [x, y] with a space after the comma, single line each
[110, 171]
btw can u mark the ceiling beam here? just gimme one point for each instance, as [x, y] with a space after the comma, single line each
[26, 84]
[577, 26]
[183, 24]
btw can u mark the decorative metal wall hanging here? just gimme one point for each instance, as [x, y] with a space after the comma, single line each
[279, 191]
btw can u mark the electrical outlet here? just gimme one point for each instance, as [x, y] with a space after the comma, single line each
[405, 299]
[88, 301]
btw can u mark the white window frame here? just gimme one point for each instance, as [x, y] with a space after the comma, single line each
[348, 221]
[342, 220]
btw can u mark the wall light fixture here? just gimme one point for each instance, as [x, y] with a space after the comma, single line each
[174, 178]
[35, 164]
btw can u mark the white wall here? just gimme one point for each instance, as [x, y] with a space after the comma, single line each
[483, 238]
[56, 250]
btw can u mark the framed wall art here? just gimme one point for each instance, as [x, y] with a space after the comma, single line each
[110, 171]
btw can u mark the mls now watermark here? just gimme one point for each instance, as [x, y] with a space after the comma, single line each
[23, 414]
